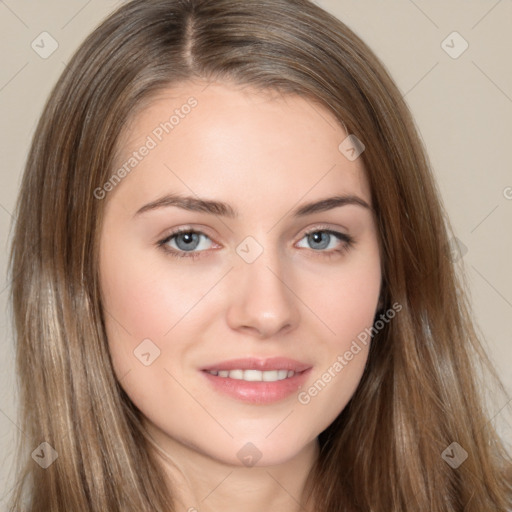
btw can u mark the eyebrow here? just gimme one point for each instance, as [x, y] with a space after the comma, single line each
[196, 204]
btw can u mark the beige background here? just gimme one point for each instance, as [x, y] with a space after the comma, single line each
[462, 106]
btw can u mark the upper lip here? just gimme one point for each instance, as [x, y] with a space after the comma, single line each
[251, 363]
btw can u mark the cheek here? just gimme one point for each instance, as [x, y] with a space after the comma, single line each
[152, 306]
[144, 310]
[346, 304]
[143, 298]
[348, 299]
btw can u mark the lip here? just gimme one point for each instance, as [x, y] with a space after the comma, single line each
[257, 392]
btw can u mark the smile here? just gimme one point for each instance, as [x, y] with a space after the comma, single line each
[257, 380]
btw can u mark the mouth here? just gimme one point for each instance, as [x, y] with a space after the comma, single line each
[257, 381]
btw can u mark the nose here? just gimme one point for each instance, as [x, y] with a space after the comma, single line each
[263, 302]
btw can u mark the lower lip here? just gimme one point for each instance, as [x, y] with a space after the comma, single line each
[258, 392]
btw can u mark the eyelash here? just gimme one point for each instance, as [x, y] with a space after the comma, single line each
[348, 243]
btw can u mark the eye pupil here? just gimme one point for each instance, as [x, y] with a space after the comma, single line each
[189, 240]
[319, 239]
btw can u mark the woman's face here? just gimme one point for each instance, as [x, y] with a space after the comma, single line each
[238, 337]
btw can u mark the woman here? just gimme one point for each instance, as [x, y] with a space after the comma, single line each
[234, 287]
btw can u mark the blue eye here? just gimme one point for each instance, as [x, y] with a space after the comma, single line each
[187, 243]
[320, 240]
[184, 241]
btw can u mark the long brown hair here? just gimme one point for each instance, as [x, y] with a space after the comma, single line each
[419, 393]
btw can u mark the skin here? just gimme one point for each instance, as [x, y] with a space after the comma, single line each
[264, 154]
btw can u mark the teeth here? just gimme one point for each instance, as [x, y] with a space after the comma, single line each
[255, 375]
[235, 374]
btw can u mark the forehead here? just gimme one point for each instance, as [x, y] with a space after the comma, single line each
[222, 140]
